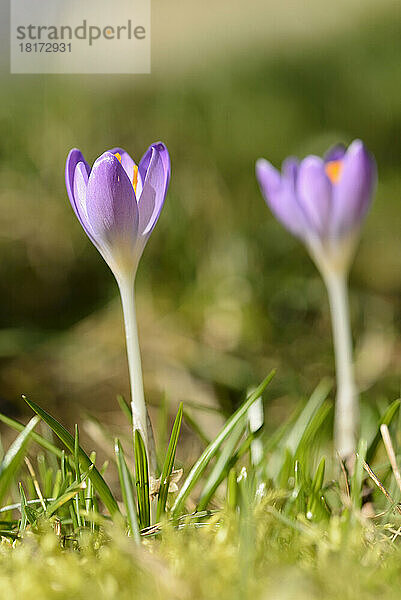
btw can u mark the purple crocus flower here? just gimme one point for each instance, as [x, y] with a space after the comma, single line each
[118, 202]
[321, 199]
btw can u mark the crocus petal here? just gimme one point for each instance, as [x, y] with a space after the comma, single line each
[154, 171]
[111, 205]
[128, 164]
[144, 162]
[279, 195]
[335, 153]
[76, 178]
[314, 194]
[289, 170]
[80, 185]
[352, 195]
[74, 157]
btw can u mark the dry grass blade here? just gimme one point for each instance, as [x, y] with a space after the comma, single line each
[381, 487]
[345, 475]
[35, 482]
[390, 453]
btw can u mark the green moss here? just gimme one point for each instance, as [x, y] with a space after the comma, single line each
[214, 562]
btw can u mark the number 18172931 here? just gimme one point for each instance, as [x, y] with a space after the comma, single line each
[45, 47]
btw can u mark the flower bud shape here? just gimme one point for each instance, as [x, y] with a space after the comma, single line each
[119, 202]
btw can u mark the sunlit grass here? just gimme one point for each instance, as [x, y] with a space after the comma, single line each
[292, 524]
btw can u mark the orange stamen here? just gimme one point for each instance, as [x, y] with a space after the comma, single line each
[135, 178]
[333, 170]
[135, 175]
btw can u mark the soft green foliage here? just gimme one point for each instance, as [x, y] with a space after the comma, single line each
[74, 495]
[79, 455]
[294, 525]
[127, 492]
[168, 465]
[142, 480]
[203, 462]
[262, 557]
[15, 455]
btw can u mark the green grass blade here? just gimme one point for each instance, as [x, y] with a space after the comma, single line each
[229, 465]
[358, 475]
[142, 480]
[125, 407]
[56, 485]
[17, 505]
[36, 437]
[126, 489]
[45, 474]
[312, 406]
[71, 492]
[98, 482]
[24, 518]
[77, 474]
[14, 456]
[385, 419]
[90, 500]
[168, 464]
[201, 464]
[63, 467]
[76, 454]
[232, 490]
[275, 439]
[318, 479]
[12, 535]
[222, 466]
[287, 466]
[316, 508]
[28, 514]
[298, 495]
[312, 429]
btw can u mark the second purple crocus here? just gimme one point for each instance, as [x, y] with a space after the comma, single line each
[323, 201]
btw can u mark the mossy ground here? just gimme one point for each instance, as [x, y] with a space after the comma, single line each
[254, 557]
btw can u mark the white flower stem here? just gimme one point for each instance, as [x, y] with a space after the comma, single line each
[138, 405]
[346, 420]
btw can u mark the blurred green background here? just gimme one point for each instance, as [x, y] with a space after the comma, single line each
[224, 292]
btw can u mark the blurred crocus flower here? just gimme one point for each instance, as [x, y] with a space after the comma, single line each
[118, 203]
[323, 201]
